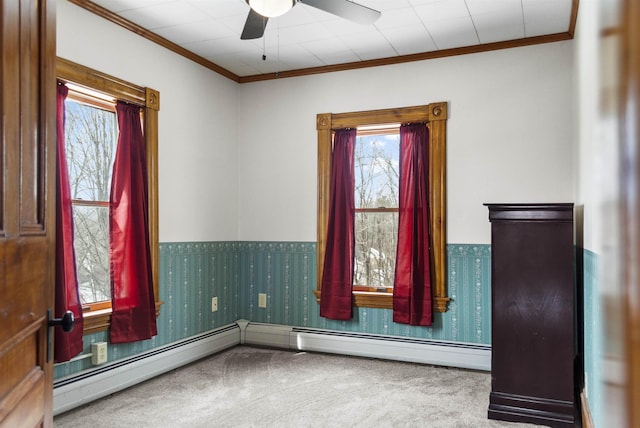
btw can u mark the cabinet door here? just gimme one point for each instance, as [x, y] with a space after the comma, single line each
[533, 309]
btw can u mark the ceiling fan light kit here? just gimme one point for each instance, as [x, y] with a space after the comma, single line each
[271, 8]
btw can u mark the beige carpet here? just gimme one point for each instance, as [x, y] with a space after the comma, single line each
[255, 387]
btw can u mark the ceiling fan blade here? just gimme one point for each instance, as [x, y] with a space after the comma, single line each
[254, 27]
[346, 9]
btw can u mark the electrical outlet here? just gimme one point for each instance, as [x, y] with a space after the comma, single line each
[262, 300]
[98, 353]
[214, 304]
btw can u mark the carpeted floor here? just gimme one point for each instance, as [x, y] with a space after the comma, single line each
[256, 387]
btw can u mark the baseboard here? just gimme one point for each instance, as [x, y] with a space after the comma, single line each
[84, 387]
[587, 419]
[535, 410]
[271, 335]
[101, 381]
[443, 353]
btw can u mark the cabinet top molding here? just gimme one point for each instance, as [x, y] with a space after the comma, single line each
[531, 212]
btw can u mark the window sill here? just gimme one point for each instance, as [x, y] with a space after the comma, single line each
[366, 299]
[100, 320]
[372, 299]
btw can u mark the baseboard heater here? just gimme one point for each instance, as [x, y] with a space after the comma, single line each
[424, 351]
[101, 381]
[95, 383]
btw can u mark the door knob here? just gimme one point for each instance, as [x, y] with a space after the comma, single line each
[66, 322]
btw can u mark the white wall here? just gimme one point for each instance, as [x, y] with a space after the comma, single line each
[510, 135]
[197, 123]
[238, 162]
[597, 189]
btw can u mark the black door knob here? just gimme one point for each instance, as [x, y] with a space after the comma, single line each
[66, 322]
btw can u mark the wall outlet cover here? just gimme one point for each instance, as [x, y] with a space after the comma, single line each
[98, 353]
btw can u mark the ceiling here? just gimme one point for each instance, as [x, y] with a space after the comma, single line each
[306, 40]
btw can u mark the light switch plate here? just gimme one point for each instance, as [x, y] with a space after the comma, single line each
[262, 300]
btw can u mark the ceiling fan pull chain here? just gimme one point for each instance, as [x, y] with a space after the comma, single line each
[278, 50]
[264, 53]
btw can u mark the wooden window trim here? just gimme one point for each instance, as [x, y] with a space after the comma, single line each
[435, 115]
[99, 317]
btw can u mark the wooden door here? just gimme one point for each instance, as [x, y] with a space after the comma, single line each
[628, 295]
[27, 210]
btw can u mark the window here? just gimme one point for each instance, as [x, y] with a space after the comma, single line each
[376, 161]
[91, 137]
[372, 295]
[91, 112]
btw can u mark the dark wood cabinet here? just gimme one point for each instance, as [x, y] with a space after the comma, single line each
[534, 362]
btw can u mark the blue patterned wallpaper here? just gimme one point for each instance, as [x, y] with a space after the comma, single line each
[235, 272]
[190, 274]
[593, 335]
[286, 272]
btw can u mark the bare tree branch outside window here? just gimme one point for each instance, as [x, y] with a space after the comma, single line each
[376, 163]
[90, 140]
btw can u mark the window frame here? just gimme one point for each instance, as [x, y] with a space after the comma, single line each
[83, 98]
[379, 130]
[435, 116]
[98, 317]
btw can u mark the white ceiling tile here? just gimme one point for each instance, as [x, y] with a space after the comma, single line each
[237, 63]
[546, 16]
[195, 31]
[488, 6]
[296, 34]
[409, 40]
[122, 5]
[266, 66]
[499, 25]
[225, 46]
[331, 51]
[453, 33]
[421, 2]
[384, 5]
[296, 56]
[309, 37]
[299, 15]
[220, 8]
[366, 44]
[397, 18]
[343, 57]
[325, 46]
[235, 23]
[164, 15]
[442, 10]
[342, 27]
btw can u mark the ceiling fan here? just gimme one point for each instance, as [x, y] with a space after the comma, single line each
[262, 10]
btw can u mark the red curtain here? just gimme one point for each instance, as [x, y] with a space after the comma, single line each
[133, 304]
[412, 286]
[67, 345]
[337, 272]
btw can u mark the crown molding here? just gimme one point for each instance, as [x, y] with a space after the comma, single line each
[143, 32]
